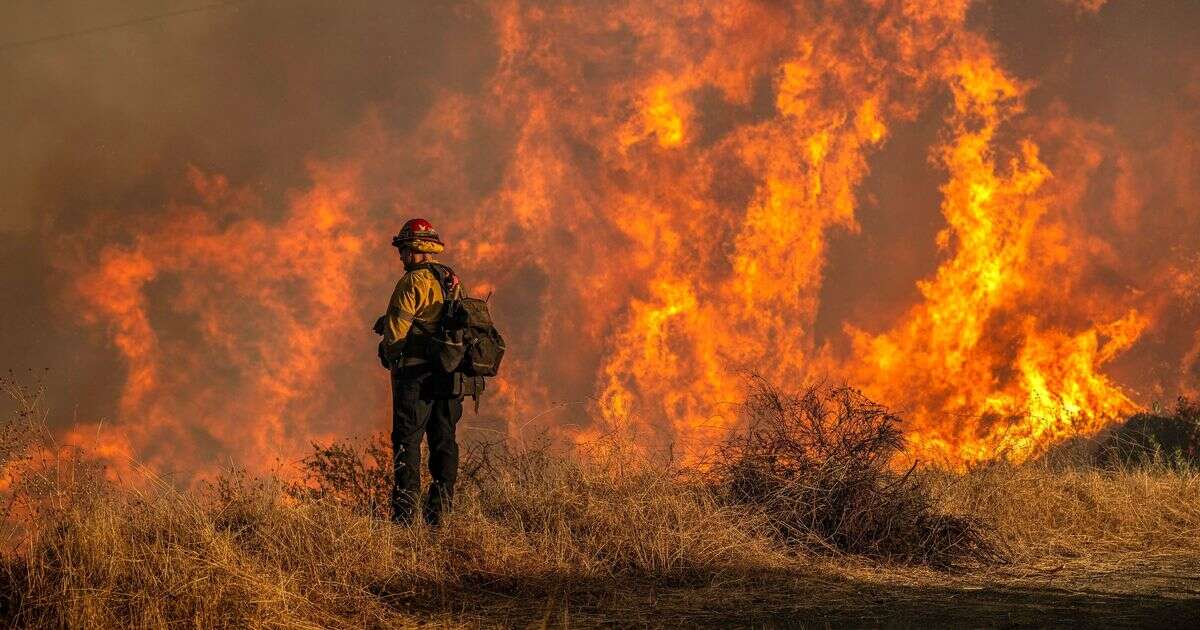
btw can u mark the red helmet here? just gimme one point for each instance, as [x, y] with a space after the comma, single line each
[416, 230]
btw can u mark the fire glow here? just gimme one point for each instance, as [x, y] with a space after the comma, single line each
[648, 253]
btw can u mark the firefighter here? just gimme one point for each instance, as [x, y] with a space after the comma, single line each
[420, 405]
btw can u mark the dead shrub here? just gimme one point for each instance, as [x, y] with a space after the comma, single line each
[1155, 439]
[818, 465]
[357, 476]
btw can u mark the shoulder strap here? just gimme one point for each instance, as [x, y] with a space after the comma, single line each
[445, 277]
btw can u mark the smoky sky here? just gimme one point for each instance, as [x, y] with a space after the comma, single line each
[111, 121]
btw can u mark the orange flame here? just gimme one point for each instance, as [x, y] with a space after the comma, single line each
[659, 223]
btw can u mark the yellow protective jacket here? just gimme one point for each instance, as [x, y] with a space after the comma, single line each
[417, 298]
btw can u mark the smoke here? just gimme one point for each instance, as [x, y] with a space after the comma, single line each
[1116, 105]
[197, 209]
[104, 128]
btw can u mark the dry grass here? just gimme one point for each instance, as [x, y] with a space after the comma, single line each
[246, 553]
[1088, 515]
[553, 537]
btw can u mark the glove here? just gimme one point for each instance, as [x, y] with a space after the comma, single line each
[383, 356]
[380, 325]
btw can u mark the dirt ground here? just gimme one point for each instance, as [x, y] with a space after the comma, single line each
[1130, 594]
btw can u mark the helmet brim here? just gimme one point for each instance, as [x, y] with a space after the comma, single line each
[401, 242]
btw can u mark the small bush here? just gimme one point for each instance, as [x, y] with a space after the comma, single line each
[818, 465]
[1156, 439]
[354, 476]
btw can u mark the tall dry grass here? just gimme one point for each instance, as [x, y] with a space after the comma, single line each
[246, 552]
[538, 534]
[1049, 514]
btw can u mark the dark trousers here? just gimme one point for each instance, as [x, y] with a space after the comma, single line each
[417, 409]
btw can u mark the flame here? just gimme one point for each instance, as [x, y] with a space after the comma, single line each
[658, 224]
[254, 350]
[953, 354]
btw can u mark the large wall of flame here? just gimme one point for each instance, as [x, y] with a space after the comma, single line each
[983, 214]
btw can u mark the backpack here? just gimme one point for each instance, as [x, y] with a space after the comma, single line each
[465, 339]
